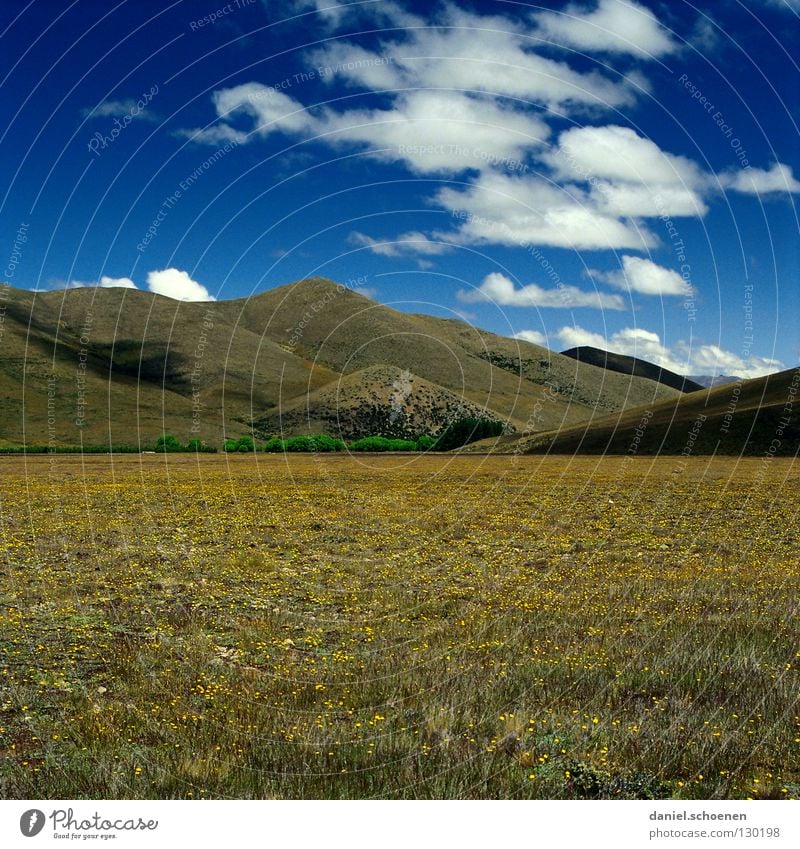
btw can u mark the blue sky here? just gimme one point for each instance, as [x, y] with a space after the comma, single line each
[616, 173]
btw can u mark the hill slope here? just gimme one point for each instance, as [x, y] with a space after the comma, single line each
[121, 365]
[632, 365]
[758, 416]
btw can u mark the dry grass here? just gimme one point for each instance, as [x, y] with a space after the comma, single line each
[258, 627]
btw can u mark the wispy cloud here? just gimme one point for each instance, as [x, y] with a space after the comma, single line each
[498, 289]
[412, 242]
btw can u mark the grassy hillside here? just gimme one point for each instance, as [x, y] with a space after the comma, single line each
[753, 417]
[377, 400]
[123, 366]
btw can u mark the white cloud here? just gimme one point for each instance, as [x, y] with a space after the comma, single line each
[439, 132]
[333, 14]
[682, 358]
[629, 174]
[618, 153]
[116, 282]
[366, 291]
[613, 26]
[178, 285]
[533, 336]
[478, 61]
[646, 277]
[105, 282]
[169, 281]
[493, 88]
[328, 10]
[756, 181]
[498, 289]
[412, 242]
[528, 210]
[479, 53]
[711, 359]
[431, 132]
[271, 111]
[647, 201]
[132, 109]
[342, 60]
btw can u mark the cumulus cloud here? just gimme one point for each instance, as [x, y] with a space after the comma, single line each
[177, 284]
[619, 153]
[439, 132]
[489, 60]
[533, 336]
[169, 281]
[478, 53]
[629, 175]
[429, 131]
[646, 277]
[116, 282]
[756, 181]
[498, 289]
[683, 358]
[271, 111]
[594, 189]
[412, 242]
[528, 210]
[711, 359]
[612, 26]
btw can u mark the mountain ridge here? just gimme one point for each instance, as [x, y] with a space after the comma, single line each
[127, 366]
[625, 364]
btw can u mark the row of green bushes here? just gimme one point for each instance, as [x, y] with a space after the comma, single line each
[169, 443]
[455, 435]
[70, 449]
[276, 445]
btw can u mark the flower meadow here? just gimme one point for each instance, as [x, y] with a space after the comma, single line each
[337, 626]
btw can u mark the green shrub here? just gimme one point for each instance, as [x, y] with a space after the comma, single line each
[382, 443]
[275, 445]
[300, 443]
[304, 444]
[323, 442]
[167, 442]
[425, 442]
[231, 445]
[245, 444]
[464, 431]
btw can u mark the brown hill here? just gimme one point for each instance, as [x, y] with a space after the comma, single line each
[632, 365]
[123, 366]
[383, 400]
[751, 417]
